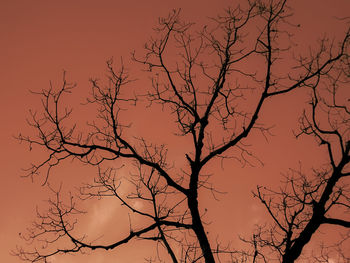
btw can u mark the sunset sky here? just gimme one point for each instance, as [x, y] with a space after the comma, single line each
[41, 38]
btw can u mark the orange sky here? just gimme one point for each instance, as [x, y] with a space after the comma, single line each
[41, 38]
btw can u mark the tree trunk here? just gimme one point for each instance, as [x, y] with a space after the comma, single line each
[199, 230]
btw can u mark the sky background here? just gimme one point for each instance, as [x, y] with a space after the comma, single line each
[40, 39]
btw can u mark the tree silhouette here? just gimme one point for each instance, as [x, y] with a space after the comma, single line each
[214, 91]
[306, 202]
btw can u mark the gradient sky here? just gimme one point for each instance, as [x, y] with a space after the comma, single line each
[41, 38]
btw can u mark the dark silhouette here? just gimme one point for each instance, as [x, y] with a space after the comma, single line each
[307, 201]
[219, 56]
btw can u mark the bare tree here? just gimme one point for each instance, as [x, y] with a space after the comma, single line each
[215, 95]
[308, 201]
